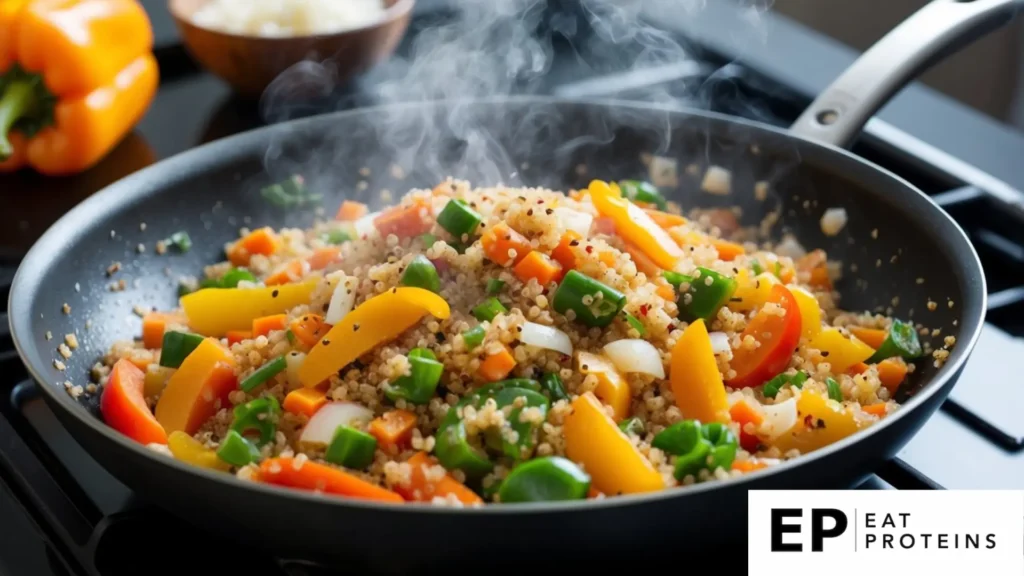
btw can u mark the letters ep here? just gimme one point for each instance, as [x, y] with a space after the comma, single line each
[781, 525]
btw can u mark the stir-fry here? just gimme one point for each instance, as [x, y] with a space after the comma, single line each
[501, 345]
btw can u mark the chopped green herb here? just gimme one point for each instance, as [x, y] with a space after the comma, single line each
[635, 323]
[494, 286]
[181, 241]
[834, 391]
[772, 387]
[756, 267]
[474, 336]
[336, 236]
[488, 309]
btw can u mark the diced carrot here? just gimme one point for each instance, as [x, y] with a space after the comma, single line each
[871, 336]
[286, 274]
[499, 240]
[643, 262]
[309, 328]
[787, 275]
[742, 413]
[350, 211]
[604, 225]
[876, 409]
[891, 372]
[262, 241]
[497, 366]
[124, 407]
[423, 489]
[607, 258]
[563, 253]
[727, 250]
[265, 325]
[748, 465]
[307, 475]
[324, 257]
[403, 221]
[236, 336]
[304, 401]
[538, 266]
[816, 262]
[857, 368]
[665, 219]
[394, 428]
[154, 324]
[666, 292]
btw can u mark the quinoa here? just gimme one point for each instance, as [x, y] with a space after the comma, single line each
[352, 338]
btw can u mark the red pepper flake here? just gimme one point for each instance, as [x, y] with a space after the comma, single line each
[809, 421]
[590, 249]
[643, 309]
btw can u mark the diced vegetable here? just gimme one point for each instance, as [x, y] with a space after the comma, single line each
[635, 356]
[190, 451]
[176, 346]
[288, 273]
[285, 471]
[336, 237]
[474, 336]
[547, 479]
[574, 221]
[309, 328]
[632, 426]
[262, 241]
[259, 417]
[810, 312]
[593, 303]
[156, 379]
[873, 337]
[696, 382]
[719, 342]
[232, 277]
[420, 273]
[751, 292]
[490, 389]
[824, 422]
[264, 325]
[403, 221]
[552, 384]
[394, 428]
[419, 386]
[705, 294]
[428, 239]
[324, 257]
[892, 372]
[665, 219]
[236, 450]
[778, 337]
[497, 365]
[834, 391]
[614, 464]
[181, 241]
[748, 465]
[236, 336]
[538, 266]
[198, 388]
[295, 361]
[771, 388]
[500, 240]
[290, 193]
[378, 320]
[635, 323]
[124, 407]
[351, 448]
[494, 286]
[321, 426]
[815, 263]
[154, 325]
[350, 211]
[304, 401]
[423, 487]
[679, 438]
[453, 447]
[876, 409]
[458, 218]
[546, 337]
[747, 411]
[342, 300]
[839, 351]
[563, 253]
[639, 191]
[612, 388]
[214, 312]
[901, 341]
[263, 374]
[779, 418]
[488, 309]
[518, 398]
[635, 226]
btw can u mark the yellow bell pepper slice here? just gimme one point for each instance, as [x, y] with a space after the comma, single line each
[822, 422]
[839, 351]
[751, 291]
[810, 312]
[214, 311]
[189, 450]
[380, 319]
[197, 388]
[612, 388]
[636, 226]
[593, 440]
[696, 382]
[156, 378]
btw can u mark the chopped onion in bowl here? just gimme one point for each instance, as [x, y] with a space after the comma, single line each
[635, 355]
[342, 300]
[719, 342]
[778, 418]
[578, 222]
[293, 361]
[321, 427]
[545, 337]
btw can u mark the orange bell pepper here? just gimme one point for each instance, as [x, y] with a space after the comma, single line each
[636, 226]
[77, 75]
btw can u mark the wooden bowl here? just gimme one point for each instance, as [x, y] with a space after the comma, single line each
[250, 63]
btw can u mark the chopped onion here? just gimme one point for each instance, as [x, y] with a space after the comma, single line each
[719, 342]
[545, 337]
[364, 227]
[833, 220]
[778, 418]
[321, 427]
[342, 300]
[717, 180]
[578, 222]
[635, 355]
[293, 361]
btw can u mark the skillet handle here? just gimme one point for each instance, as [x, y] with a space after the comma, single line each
[935, 31]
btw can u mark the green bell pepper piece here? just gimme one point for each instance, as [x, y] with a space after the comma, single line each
[351, 448]
[900, 341]
[260, 416]
[547, 479]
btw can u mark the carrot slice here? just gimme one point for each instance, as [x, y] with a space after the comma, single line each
[871, 336]
[265, 325]
[499, 240]
[891, 372]
[154, 324]
[563, 252]
[538, 266]
[350, 211]
[324, 257]
[124, 408]
[665, 219]
[304, 401]
[403, 221]
[424, 489]
[876, 409]
[286, 274]
[286, 471]
[497, 366]
[262, 241]
[236, 336]
[393, 428]
[748, 465]
[309, 328]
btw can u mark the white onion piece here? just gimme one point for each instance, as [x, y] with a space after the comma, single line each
[833, 220]
[293, 361]
[719, 342]
[321, 427]
[578, 222]
[364, 227]
[778, 418]
[635, 355]
[342, 300]
[717, 181]
[545, 337]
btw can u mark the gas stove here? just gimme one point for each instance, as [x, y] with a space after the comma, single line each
[61, 513]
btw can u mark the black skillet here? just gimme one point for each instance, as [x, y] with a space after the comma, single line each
[213, 190]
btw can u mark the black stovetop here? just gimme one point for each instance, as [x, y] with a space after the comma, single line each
[61, 513]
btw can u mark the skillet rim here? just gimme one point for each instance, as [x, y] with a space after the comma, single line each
[110, 199]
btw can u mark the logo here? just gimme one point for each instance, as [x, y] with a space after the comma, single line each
[893, 532]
